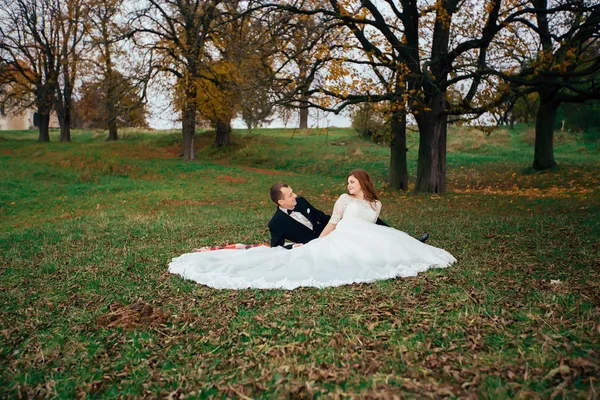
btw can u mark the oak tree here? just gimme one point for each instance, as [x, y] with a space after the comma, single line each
[559, 61]
[418, 51]
[30, 50]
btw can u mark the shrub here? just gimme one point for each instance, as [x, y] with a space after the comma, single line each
[370, 123]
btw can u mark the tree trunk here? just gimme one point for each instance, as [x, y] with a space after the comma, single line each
[223, 130]
[543, 157]
[303, 114]
[306, 79]
[65, 129]
[432, 119]
[189, 125]
[63, 109]
[64, 120]
[111, 106]
[44, 98]
[113, 133]
[65, 117]
[44, 128]
[111, 91]
[398, 169]
[431, 169]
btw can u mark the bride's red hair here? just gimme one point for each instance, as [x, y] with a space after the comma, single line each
[366, 183]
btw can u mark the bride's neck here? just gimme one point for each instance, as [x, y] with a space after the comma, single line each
[359, 196]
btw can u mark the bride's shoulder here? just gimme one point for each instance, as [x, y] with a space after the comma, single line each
[343, 200]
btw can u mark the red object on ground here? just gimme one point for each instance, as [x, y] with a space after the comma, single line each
[237, 246]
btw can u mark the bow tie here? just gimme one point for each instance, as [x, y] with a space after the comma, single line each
[289, 212]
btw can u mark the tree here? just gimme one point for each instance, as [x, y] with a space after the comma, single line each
[124, 78]
[523, 108]
[105, 34]
[244, 50]
[70, 16]
[178, 33]
[370, 122]
[93, 106]
[239, 79]
[418, 51]
[305, 46]
[579, 117]
[561, 65]
[217, 99]
[256, 107]
[305, 35]
[30, 49]
[41, 40]
[15, 89]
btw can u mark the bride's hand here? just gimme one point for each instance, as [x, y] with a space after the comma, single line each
[297, 245]
[328, 229]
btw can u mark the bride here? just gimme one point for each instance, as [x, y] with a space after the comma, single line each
[351, 249]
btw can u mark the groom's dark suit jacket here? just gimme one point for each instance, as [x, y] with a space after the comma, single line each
[283, 227]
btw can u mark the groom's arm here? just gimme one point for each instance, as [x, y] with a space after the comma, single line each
[278, 238]
[320, 216]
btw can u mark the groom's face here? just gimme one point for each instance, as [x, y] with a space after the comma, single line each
[289, 198]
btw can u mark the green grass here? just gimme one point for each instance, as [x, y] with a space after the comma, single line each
[88, 309]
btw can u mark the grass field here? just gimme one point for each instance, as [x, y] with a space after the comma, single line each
[87, 308]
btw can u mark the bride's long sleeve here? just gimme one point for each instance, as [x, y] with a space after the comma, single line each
[336, 215]
[338, 209]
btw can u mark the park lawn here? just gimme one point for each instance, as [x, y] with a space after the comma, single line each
[88, 309]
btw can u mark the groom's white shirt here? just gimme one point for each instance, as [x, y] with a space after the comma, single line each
[299, 217]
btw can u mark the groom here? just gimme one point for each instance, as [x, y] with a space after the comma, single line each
[295, 219]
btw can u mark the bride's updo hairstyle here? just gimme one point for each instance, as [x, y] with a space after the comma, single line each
[366, 183]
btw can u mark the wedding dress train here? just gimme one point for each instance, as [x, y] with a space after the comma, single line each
[357, 251]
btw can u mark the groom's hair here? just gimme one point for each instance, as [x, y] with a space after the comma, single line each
[276, 192]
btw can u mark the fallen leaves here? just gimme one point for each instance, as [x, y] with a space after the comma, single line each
[186, 203]
[130, 317]
[231, 179]
[498, 325]
[562, 370]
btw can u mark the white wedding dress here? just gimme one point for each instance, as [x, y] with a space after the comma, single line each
[357, 251]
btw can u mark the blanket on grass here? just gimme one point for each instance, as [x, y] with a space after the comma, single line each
[237, 246]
